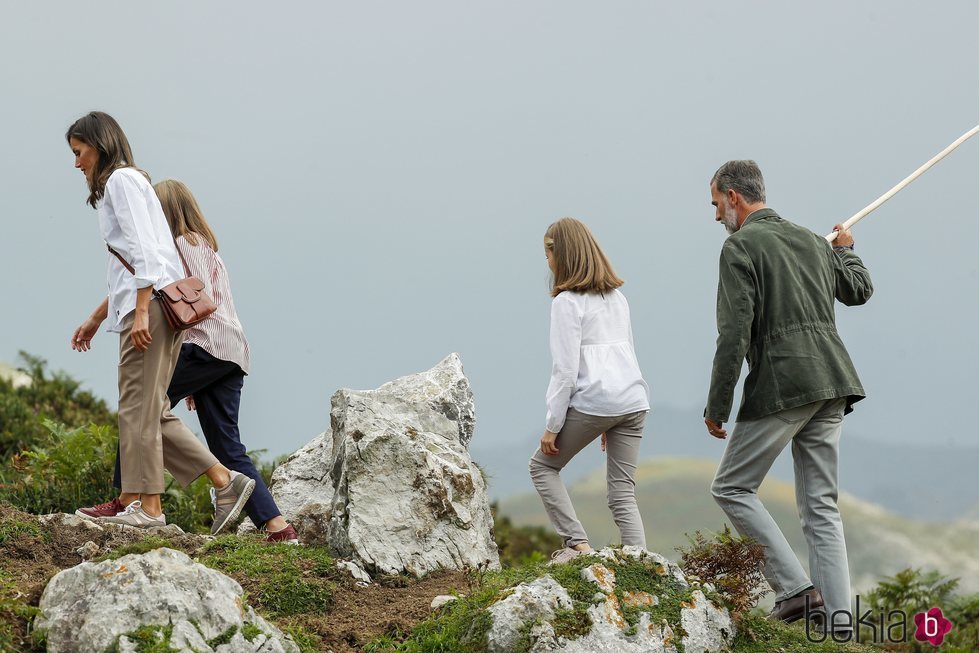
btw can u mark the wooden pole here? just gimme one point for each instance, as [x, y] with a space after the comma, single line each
[914, 175]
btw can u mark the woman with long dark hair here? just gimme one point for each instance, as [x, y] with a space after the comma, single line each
[133, 226]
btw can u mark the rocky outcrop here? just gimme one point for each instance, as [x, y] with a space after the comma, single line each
[705, 627]
[302, 489]
[529, 602]
[391, 486]
[92, 606]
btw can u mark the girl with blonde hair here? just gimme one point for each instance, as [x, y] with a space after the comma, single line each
[142, 258]
[214, 358]
[596, 388]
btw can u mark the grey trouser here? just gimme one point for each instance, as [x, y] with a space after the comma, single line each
[148, 431]
[623, 434]
[814, 431]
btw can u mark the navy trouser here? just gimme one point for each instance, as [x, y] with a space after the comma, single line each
[216, 387]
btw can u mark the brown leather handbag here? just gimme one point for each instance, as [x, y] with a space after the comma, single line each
[184, 302]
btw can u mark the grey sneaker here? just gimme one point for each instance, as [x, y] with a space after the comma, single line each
[133, 515]
[561, 556]
[229, 500]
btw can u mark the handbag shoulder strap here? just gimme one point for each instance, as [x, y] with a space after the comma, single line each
[121, 260]
[133, 272]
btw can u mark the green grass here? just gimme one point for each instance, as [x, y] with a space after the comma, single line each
[250, 632]
[306, 641]
[11, 529]
[145, 545]
[148, 639]
[759, 635]
[285, 580]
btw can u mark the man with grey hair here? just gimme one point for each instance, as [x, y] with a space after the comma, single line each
[775, 307]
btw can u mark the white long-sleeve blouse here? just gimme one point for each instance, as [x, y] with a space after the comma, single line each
[132, 223]
[595, 369]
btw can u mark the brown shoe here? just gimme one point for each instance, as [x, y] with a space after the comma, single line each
[287, 535]
[108, 509]
[794, 607]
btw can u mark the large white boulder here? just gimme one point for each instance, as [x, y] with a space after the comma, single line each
[91, 606]
[407, 496]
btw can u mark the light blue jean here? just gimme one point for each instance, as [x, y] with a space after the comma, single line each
[814, 431]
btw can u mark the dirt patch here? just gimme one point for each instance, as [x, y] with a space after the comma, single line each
[388, 606]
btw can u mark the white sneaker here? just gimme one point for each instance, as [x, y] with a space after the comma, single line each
[229, 501]
[133, 515]
[567, 554]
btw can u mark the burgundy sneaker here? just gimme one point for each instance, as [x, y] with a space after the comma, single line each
[108, 509]
[287, 535]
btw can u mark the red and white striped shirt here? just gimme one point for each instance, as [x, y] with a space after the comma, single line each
[221, 334]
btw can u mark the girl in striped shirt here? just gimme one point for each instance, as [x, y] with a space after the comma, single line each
[214, 357]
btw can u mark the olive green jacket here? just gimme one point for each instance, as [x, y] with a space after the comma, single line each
[775, 307]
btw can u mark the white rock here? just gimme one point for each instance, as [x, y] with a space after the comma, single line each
[607, 635]
[443, 599]
[303, 491]
[708, 627]
[640, 554]
[601, 575]
[87, 607]
[88, 550]
[354, 570]
[408, 497]
[539, 599]
[186, 637]
[69, 521]
[544, 639]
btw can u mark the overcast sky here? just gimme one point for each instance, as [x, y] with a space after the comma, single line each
[380, 176]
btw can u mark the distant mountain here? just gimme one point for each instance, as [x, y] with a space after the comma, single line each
[674, 499]
[932, 481]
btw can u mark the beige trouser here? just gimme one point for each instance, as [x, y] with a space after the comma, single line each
[148, 431]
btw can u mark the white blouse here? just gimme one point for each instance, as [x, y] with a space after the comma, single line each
[221, 334]
[595, 370]
[132, 223]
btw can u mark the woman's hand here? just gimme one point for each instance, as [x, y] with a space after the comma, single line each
[547, 444]
[141, 325]
[604, 442]
[190, 402]
[81, 340]
[141, 331]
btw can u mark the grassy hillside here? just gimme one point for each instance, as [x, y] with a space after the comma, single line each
[674, 499]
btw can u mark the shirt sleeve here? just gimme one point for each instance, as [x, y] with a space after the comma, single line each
[129, 207]
[566, 355]
[853, 285]
[200, 263]
[735, 314]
